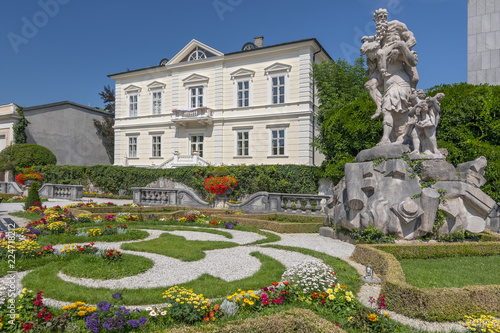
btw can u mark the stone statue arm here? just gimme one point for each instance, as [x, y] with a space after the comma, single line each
[409, 56]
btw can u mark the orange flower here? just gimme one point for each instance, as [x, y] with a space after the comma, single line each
[207, 319]
[275, 284]
[286, 283]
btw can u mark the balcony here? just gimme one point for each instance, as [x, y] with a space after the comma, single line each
[183, 117]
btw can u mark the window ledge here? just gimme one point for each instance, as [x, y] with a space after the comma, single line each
[132, 158]
[277, 156]
[243, 157]
[156, 158]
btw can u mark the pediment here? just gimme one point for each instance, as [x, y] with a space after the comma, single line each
[156, 85]
[276, 67]
[242, 72]
[132, 88]
[195, 78]
[189, 48]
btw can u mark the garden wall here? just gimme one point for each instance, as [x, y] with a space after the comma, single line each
[440, 304]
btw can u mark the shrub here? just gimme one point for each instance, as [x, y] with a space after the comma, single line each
[33, 197]
[18, 156]
[310, 276]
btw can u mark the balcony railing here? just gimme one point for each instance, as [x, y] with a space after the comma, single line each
[202, 115]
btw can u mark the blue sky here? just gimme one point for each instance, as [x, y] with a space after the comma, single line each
[55, 50]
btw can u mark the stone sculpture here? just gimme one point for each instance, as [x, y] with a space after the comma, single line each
[401, 184]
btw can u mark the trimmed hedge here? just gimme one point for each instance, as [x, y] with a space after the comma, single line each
[295, 320]
[440, 304]
[300, 179]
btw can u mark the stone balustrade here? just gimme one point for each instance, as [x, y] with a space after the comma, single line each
[167, 197]
[61, 191]
[10, 187]
[300, 204]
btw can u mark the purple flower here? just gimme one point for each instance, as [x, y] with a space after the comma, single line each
[143, 320]
[93, 323]
[133, 323]
[118, 295]
[124, 309]
[103, 306]
[137, 310]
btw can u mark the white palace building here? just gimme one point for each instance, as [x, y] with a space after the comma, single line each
[204, 107]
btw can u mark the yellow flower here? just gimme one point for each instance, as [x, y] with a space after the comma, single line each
[91, 309]
[348, 298]
[81, 313]
[387, 315]
[331, 297]
[330, 291]
[82, 308]
[372, 317]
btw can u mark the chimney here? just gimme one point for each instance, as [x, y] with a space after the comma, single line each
[259, 41]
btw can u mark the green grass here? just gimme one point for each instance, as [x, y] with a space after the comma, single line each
[131, 234]
[45, 278]
[177, 247]
[174, 228]
[294, 218]
[23, 264]
[452, 271]
[346, 274]
[27, 216]
[96, 267]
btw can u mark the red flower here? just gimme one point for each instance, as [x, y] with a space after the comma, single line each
[286, 283]
[275, 284]
[207, 319]
[323, 301]
[81, 249]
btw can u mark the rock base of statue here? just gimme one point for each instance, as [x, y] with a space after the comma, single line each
[408, 202]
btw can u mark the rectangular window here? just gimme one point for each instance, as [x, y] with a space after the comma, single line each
[132, 146]
[156, 146]
[242, 144]
[157, 102]
[278, 142]
[278, 89]
[243, 93]
[196, 97]
[197, 144]
[132, 105]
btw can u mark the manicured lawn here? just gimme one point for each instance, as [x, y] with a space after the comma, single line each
[95, 267]
[452, 271]
[45, 278]
[295, 218]
[177, 247]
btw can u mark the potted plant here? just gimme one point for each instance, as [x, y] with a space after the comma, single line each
[28, 176]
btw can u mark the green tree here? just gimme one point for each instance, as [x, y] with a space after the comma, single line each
[344, 114]
[20, 128]
[470, 127]
[105, 127]
[33, 196]
[18, 156]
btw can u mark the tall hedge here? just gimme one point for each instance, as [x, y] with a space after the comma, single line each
[470, 127]
[251, 178]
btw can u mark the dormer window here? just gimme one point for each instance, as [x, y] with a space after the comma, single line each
[197, 54]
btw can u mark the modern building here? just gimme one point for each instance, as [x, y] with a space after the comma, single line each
[254, 106]
[67, 129]
[483, 42]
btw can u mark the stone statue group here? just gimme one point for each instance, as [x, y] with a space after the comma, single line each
[409, 116]
[381, 188]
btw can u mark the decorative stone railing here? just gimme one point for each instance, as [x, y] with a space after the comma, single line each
[179, 160]
[10, 187]
[301, 204]
[167, 197]
[61, 191]
[202, 115]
